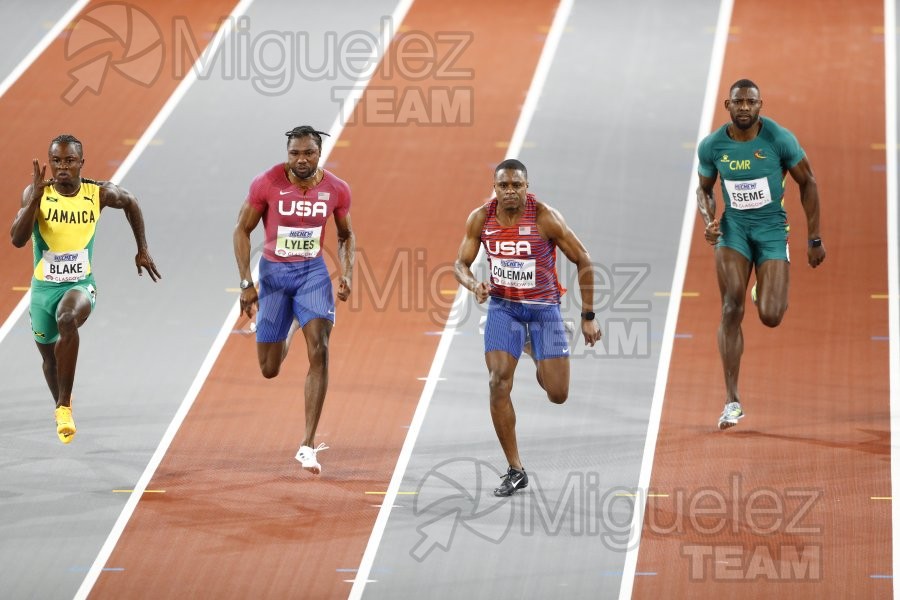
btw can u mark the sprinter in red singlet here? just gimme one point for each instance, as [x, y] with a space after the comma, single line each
[294, 200]
[520, 236]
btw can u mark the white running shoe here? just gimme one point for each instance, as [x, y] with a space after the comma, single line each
[731, 415]
[307, 458]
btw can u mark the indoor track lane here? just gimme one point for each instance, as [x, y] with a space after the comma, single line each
[814, 447]
[244, 518]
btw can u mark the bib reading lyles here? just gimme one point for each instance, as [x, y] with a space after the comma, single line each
[298, 241]
[748, 194]
[65, 267]
[514, 273]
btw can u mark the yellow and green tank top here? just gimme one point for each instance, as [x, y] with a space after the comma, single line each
[63, 236]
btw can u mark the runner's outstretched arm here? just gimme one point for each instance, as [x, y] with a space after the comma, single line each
[468, 251]
[809, 198]
[552, 225]
[346, 254]
[116, 197]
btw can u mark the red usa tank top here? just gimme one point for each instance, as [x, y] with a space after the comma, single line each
[522, 263]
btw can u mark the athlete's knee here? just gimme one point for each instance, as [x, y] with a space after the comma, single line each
[771, 316]
[558, 396]
[269, 367]
[500, 386]
[67, 321]
[318, 354]
[49, 365]
[732, 310]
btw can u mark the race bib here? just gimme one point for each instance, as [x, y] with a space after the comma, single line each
[514, 273]
[298, 241]
[746, 195]
[65, 267]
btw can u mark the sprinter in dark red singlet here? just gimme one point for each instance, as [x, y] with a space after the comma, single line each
[294, 200]
[520, 236]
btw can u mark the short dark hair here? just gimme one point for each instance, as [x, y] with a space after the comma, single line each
[306, 130]
[511, 163]
[742, 83]
[66, 138]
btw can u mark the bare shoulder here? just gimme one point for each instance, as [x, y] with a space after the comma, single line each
[477, 216]
[26, 194]
[550, 221]
[113, 195]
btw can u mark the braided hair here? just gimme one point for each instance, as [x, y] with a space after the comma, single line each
[303, 131]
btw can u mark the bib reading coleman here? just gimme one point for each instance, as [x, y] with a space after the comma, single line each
[522, 263]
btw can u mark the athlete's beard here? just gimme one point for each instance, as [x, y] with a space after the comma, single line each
[296, 171]
[749, 124]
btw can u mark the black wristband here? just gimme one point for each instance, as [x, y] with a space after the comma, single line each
[588, 315]
[815, 242]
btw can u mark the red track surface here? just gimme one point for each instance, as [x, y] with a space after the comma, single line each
[33, 110]
[238, 518]
[816, 389]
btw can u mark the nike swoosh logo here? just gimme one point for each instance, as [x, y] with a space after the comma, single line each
[285, 192]
[330, 312]
[515, 484]
[566, 351]
[491, 231]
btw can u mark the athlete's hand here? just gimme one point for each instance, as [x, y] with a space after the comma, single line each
[142, 259]
[591, 331]
[815, 256]
[712, 232]
[343, 289]
[249, 301]
[38, 183]
[481, 291]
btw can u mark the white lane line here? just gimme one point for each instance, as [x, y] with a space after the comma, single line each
[7, 83]
[152, 130]
[41, 46]
[710, 101]
[891, 135]
[462, 296]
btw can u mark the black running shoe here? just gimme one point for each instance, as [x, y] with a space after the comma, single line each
[512, 481]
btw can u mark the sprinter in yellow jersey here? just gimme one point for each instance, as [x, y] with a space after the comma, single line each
[60, 216]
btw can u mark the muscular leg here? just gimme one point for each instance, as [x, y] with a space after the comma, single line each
[501, 367]
[316, 332]
[773, 277]
[272, 354]
[48, 354]
[553, 375]
[73, 310]
[733, 271]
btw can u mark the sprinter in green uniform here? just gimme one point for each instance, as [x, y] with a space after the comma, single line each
[60, 216]
[753, 156]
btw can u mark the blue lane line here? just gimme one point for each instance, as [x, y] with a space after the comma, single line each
[880, 338]
[881, 576]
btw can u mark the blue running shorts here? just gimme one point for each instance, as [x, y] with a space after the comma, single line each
[506, 324]
[299, 289]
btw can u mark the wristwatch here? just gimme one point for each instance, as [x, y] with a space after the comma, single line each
[588, 315]
[245, 283]
[815, 242]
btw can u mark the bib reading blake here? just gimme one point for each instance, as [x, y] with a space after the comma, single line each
[63, 234]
